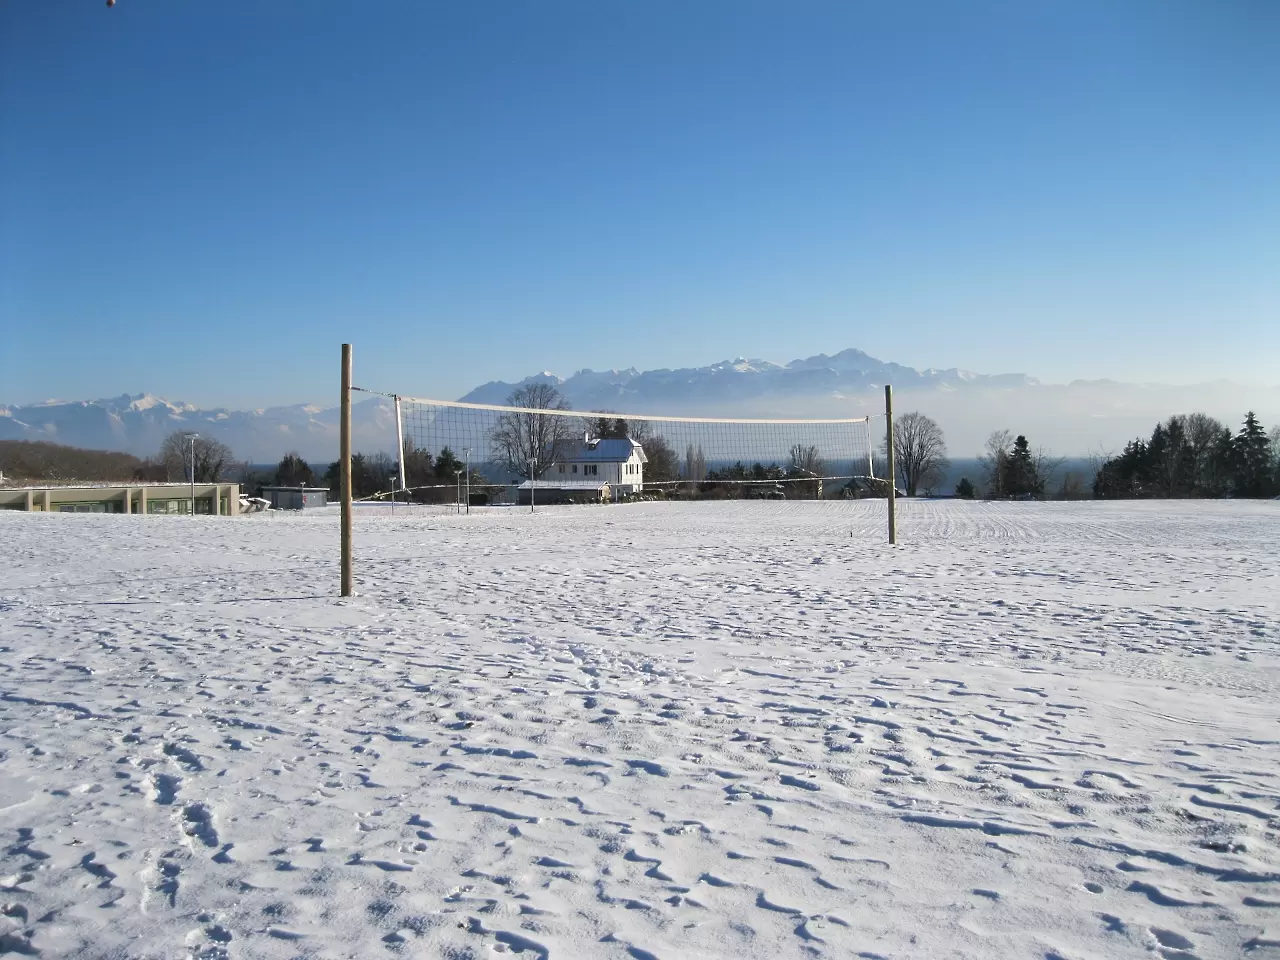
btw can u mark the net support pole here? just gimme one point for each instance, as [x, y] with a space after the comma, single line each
[344, 470]
[893, 483]
[399, 446]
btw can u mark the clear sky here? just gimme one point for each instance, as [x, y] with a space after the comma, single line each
[203, 199]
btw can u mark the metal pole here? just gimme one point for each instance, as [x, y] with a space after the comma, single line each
[533, 480]
[400, 446]
[191, 441]
[468, 454]
[344, 471]
[457, 497]
[893, 483]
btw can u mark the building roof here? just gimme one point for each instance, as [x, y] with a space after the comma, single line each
[590, 485]
[298, 489]
[603, 451]
[123, 485]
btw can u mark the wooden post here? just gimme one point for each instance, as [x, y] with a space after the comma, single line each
[893, 482]
[344, 470]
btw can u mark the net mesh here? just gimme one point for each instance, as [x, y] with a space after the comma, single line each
[478, 453]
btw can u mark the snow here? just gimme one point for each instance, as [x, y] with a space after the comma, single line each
[656, 730]
[145, 401]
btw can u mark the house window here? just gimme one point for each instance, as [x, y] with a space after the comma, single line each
[575, 468]
[562, 468]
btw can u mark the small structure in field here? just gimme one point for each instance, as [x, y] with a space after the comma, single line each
[295, 498]
[562, 491]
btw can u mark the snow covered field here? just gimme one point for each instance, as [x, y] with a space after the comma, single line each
[707, 730]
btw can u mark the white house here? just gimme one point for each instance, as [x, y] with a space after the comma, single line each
[619, 463]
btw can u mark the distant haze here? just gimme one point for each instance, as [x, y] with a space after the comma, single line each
[1074, 419]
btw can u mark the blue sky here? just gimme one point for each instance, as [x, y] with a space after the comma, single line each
[203, 200]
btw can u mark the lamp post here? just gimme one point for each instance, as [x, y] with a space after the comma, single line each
[191, 439]
[467, 453]
[458, 495]
[533, 481]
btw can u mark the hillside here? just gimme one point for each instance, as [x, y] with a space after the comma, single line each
[39, 461]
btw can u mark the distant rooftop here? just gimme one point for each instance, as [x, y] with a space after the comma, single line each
[118, 485]
[563, 484]
[603, 451]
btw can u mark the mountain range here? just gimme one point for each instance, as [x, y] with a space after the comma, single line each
[1073, 418]
[731, 381]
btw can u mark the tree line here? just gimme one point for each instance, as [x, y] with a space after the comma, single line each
[39, 461]
[1194, 455]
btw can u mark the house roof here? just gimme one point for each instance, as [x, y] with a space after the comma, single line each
[591, 485]
[603, 451]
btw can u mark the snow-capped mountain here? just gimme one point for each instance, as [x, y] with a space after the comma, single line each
[847, 373]
[138, 424]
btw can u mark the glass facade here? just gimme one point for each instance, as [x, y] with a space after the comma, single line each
[99, 506]
[183, 505]
[171, 499]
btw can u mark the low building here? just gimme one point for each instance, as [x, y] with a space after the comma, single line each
[617, 462]
[295, 498]
[562, 491]
[214, 499]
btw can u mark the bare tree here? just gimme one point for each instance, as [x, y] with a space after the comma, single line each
[1045, 466]
[933, 478]
[995, 461]
[212, 457]
[695, 464]
[919, 451]
[526, 442]
[806, 461]
[663, 465]
[1204, 434]
[1073, 486]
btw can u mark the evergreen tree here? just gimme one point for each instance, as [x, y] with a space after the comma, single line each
[1125, 476]
[419, 471]
[1171, 460]
[1252, 453]
[293, 471]
[447, 466]
[964, 489]
[1022, 478]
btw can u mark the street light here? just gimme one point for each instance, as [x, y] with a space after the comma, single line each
[458, 496]
[192, 438]
[467, 452]
[533, 480]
